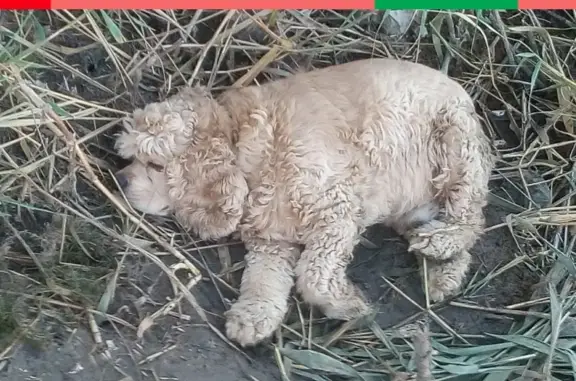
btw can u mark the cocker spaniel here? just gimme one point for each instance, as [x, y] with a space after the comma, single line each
[299, 167]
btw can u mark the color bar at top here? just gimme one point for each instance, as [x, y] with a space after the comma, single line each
[445, 4]
[210, 4]
[475, 4]
[24, 4]
[547, 4]
[287, 4]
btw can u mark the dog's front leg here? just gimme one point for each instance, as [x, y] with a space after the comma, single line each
[266, 284]
[321, 271]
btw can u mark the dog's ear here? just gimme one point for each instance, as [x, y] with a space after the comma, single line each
[126, 144]
[162, 129]
[210, 188]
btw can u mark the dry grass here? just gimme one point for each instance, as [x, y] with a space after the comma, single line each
[67, 78]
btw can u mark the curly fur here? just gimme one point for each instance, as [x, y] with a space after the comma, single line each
[301, 166]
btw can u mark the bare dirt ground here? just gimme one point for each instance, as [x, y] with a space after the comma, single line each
[188, 350]
[81, 276]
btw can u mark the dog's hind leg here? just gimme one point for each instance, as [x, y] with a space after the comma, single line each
[462, 155]
[266, 284]
[444, 278]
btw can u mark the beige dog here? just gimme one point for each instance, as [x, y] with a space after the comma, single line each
[301, 166]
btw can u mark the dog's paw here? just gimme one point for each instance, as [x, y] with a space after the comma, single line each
[445, 278]
[348, 308]
[442, 285]
[250, 321]
[436, 240]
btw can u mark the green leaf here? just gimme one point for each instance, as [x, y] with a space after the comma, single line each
[113, 28]
[568, 263]
[527, 55]
[108, 295]
[471, 351]
[498, 376]
[59, 110]
[534, 77]
[436, 25]
[530, 343]
[39, 31]
[572, 358]
[460, 369]
[319, 361]
[313, 377]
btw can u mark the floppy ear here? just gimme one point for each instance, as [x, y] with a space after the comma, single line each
[162, 129]
[208, 187]
[125, 142]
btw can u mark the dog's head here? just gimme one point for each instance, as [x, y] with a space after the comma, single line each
[153, 138]
[183, 163]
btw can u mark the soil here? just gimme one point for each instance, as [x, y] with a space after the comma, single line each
[197, 353]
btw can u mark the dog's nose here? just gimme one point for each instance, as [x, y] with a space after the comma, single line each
[122, 180]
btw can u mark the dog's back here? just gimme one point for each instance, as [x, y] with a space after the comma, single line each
[375, 124]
